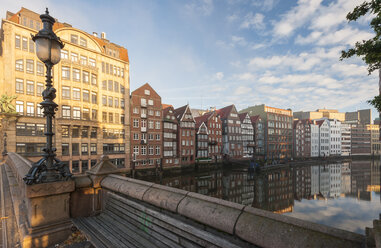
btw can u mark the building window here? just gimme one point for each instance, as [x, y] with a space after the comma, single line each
[66, 112]
[93, 133]
[65, 149]
[20, 107]
[64, 54]
[19, 65]
[111, 117]
[76, 94]
[65, 72]
[75, 148]
[93, 149]
[30, 109]
[75, 132]
[39, 111]
[74, 38]
[135, 110]
[94, 79]
[157, 136]
[30, 66]
[83, 60]
[110, 85]
[104, 100]
[40, 89]
[92, 62]
[157, 150]
[94, 114]
[76, 75]
[116, 86]
[143, 150]
[104, 116]
[40, 69]
[75, 165]
[24, 44]
[110, 101]
[150, 102]
[83, 42]
[157, 113]
[104, 85]
[157, 125]
[147, 92]
[17, 41]
[65, 131]
[122, 103]
[30, 88]
[117, 118]
[74, 57]
[76, 113]
[86, 114]
[31, 46]
[94, 97]
[150, 124]
[150, 150]
[19, 86]
[121, 89]
[65, 92]
[116, 101]
[85, 77]
[135, 123]
[84, 149]
[122, 119]
[86, 95]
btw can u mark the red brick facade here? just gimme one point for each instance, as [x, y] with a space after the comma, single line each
[186, 135]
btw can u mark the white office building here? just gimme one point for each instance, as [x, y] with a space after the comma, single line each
[335, 137]
[314, 139]
[345, 139]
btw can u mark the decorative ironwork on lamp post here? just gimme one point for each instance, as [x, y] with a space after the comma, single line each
[48, 50]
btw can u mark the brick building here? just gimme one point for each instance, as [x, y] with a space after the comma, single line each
[170, 126]
[146, 128]
[259, 135]
[214, 125]
[92, 83]
[231, 132]
[278, 130]
[186, 135]
[201, 140]
[302, 138]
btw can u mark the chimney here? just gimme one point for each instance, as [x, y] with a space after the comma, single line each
[95, 34]
[103, 35]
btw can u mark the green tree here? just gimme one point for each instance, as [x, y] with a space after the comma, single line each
[368, 50]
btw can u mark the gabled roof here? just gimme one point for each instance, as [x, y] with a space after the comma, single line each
[255, 118]
[224, 112]
[203, 119]
[320, 122]
[149, 87]
[179, 112]
[164, 106]
[199, 127]
[242, 116]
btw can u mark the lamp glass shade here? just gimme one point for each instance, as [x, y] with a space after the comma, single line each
[55, 52]
[43, 49]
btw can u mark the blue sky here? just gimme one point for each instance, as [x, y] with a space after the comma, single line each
[215, 53]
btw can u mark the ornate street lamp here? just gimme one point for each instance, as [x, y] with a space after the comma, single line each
[48, 50]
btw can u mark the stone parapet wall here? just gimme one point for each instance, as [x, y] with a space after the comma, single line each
[253, 225]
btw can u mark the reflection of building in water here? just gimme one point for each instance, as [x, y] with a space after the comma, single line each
[232, 187]
[335, 180]
[324, 178]
[302, 182]
[345, 178]
[274, 190]
[209, 184]
[247, 190]
[374, 176]
[360, 179]
[315, 179]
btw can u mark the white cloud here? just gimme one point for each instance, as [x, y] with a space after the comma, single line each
[219, 75]
[242, 90]
[296, 17]
[245, 76]
[265, 5]
[204, 7]
[237, 40]
[252, 21]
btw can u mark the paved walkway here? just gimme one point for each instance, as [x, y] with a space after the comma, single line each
[9, 236]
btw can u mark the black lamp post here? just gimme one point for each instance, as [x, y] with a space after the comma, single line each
[48, 50]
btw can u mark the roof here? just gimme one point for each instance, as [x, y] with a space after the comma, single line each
[320, 122]
[123, 53]
[242, 116]
[202, 119]
[224, 112]
[164, 106]
[255, 118]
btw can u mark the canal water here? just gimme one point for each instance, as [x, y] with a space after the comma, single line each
[345, 195]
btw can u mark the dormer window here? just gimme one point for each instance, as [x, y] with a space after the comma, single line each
[83, 42]
[74, 39]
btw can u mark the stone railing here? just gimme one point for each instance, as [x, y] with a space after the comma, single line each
[47, 210]
[41, 210]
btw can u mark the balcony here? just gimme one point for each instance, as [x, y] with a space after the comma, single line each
[143, 129]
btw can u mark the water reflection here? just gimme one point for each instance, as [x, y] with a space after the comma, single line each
[344, 195]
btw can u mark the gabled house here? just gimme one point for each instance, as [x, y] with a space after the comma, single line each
[231, 132]
[247, 131]
[186, 135]
[170, 129]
